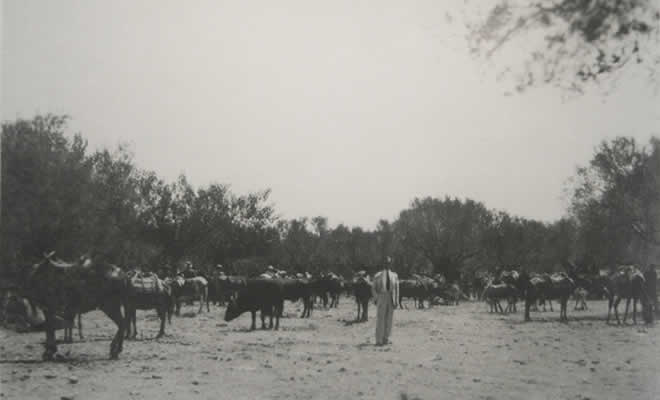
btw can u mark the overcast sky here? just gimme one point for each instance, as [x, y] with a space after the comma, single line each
[347, 109]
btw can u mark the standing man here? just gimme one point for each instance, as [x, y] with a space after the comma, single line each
[386, 292]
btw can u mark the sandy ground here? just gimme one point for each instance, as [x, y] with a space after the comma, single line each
[447, 352]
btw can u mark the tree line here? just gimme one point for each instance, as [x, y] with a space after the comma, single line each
[57, 195]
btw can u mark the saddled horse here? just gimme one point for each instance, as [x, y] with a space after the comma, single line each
[494, 293]
[628, 282]
[557, 286]
[145, 291]
[75, 288]
[195, 288]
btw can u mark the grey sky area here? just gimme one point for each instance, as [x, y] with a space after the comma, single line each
[344, 109]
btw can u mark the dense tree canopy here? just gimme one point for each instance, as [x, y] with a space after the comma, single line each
[58, 196]
[616, 200]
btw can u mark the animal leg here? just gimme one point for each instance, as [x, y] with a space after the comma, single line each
[134, 321]
[304, 312]
[80, 332]
[113, 310]
[162, 315]
[51, 345]
[127, 331]
[254, 321]
[279, 310]
[625, 314]
[273, 310]
[616, 309]
[528, 304]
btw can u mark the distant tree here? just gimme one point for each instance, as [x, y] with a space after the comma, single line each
[447, 232]
[298, 245]
[46, 188]
[616, 202]
[569, 43]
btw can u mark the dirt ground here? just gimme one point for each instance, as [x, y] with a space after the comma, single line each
[452, 352]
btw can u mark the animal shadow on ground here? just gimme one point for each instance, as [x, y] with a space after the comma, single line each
[366, 345]
[85, 340]
[349, 322]
[62, 359]
[153, 338]
[309, 327]
[188, 314]
[551, 319]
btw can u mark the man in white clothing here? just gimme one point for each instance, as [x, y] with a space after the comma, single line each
[385, 289]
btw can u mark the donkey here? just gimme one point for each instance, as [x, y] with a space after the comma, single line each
[557, 286]
[196, 287]
[146, 292]
[627, 282]
[75, 288]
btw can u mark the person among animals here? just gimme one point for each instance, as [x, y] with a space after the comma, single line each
[385, 289]
[188, 270]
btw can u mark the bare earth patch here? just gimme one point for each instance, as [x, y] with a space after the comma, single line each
[445, 352]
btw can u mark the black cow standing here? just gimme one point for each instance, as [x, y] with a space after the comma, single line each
[362, 292]
[265, 295]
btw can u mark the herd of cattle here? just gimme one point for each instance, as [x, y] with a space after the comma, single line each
[65, 290]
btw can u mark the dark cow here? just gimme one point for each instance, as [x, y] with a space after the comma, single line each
[299, 289]
[76, 288]
[329, 287]
[362, 293]
[265, 295]
[412, 289]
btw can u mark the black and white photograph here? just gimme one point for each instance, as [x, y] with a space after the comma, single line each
[301, 199]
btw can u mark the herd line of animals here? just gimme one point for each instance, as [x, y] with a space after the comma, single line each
[65, 290]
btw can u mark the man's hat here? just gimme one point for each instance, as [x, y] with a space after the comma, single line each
[270, 268]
